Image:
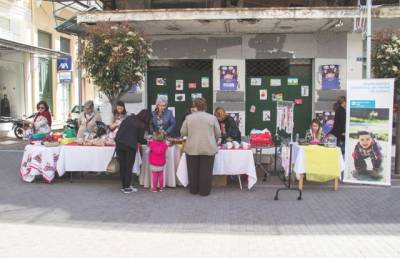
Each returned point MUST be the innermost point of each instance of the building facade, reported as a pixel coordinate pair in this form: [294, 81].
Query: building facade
[244, 55]
[30, 49]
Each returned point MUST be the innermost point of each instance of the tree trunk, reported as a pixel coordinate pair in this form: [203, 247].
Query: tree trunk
[397, 170]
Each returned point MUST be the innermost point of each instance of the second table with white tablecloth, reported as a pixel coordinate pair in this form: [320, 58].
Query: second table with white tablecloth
[88, 159]
[173, 155]
[227, 162]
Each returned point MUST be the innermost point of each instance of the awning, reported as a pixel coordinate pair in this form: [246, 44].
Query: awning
[8, 44]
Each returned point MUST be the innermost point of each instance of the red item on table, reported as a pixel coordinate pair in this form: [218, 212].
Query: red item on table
[261, 139]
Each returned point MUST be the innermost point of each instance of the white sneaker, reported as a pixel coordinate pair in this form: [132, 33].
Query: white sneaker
[134, 189]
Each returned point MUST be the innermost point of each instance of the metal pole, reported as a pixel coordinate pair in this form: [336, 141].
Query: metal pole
[369, 8]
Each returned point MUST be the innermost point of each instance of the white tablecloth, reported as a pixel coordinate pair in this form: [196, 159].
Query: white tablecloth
[227, 162]
[39, 160]
[298, 159]
[88, 158]
[172, 160]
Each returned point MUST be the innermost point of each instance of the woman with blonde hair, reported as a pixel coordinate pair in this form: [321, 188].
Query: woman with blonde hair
[228, 126]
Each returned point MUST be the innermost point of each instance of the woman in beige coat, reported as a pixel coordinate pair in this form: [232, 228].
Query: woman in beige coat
[202, 131]
[87, 121]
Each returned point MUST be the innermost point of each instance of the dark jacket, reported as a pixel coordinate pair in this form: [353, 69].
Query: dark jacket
[231, 130]
[168, 122]
[130, 133]
[339, 126]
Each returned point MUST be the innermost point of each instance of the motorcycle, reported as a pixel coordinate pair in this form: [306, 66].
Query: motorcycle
[19, 125]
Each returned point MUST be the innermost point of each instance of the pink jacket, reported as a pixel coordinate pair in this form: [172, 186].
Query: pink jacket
[157, 153]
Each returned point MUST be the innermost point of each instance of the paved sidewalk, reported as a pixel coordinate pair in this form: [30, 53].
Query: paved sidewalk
[92, 218]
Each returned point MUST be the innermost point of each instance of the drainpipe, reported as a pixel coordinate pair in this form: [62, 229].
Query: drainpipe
[369, 7]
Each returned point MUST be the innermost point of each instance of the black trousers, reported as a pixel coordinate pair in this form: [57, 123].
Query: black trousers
[126, 157]
[200, 169]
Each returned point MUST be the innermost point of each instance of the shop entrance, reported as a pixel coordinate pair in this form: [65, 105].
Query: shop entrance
[268, 80]
[181, 81]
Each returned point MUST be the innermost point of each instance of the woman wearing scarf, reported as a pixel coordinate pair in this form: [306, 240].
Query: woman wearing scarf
[162, 118]
[42, 122]
[87, 121]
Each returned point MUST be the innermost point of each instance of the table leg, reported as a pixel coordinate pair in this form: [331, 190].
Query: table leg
[301, 182]
[240, 182]
[336, 184]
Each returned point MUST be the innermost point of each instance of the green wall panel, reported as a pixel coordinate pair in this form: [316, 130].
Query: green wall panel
[172, 74]
[302, 113]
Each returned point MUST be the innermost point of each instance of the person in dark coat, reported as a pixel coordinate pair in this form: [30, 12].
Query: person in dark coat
[229, 129]
[339, 125]
[130, 134]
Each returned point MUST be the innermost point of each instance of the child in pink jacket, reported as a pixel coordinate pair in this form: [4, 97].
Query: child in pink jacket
[157, 159]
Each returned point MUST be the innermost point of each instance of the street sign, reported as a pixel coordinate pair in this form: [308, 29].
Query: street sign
[65, 76]
[64, 64]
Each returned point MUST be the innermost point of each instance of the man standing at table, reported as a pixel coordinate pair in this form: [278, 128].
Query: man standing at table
[202, 131]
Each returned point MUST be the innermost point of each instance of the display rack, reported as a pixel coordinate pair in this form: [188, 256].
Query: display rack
[287, 180]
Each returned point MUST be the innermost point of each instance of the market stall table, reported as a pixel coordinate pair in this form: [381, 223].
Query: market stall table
[227, 162]
[39, 160]
[173, 155]
[318, 162]
[88, 159]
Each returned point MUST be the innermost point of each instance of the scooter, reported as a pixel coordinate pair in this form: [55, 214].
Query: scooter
[18, 126]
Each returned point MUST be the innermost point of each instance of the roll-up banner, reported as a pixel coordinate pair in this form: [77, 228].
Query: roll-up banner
[369, 116]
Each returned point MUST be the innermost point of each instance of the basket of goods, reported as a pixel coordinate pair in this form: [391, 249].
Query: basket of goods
[57, 137]
[261, 138]
[51, 144]
[50, 140]
[330, 141]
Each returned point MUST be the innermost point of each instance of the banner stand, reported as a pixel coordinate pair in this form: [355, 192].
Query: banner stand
[369, 119]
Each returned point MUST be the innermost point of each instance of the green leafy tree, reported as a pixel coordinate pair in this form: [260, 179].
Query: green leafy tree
[386, 64]
[115, 56]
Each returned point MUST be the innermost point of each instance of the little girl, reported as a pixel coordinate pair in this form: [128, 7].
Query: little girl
[158, 149]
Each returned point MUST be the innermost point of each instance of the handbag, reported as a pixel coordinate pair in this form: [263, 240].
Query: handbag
[113, 165]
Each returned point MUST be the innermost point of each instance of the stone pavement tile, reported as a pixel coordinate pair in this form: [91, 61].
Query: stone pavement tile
[353, 222]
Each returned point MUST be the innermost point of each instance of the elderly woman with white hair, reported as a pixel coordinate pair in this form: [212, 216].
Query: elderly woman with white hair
[162, 118]
[87, 120]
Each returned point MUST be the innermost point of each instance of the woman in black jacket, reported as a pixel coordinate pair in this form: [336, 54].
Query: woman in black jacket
[229, 129]
[339, 125]
[130, 134]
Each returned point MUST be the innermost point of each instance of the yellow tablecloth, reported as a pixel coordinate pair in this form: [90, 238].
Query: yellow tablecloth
[321, 163]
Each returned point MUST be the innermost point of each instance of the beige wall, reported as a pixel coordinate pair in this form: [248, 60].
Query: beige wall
[43, 20]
